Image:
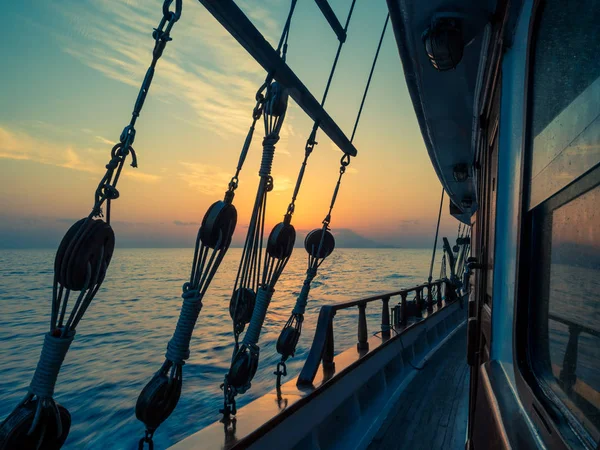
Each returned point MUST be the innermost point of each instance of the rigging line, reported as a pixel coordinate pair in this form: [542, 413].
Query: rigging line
[337, 55]
[362, 103]
[283, 40]
[437, 230]
[311, 142]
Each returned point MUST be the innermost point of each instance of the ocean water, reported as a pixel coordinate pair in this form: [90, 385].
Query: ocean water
[122, 338]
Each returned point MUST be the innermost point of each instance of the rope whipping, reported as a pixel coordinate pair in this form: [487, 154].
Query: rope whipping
[161, 394]
[80, 266]
[254, 285]
[319, 243]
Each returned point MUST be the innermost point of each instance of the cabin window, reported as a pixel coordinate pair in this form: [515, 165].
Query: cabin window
[564, 211]
[565, 102]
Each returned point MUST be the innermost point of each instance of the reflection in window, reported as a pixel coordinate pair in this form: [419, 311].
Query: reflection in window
[565, 96]
[571, 336]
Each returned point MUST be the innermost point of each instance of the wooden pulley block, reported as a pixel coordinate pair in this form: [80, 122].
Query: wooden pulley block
[277, 100]
[158, 399]
[313, 240]
[15, 428]
[83, 243]
[218, 222]
[281, 240]
[241, 305]
[287, 341]
[243, 368]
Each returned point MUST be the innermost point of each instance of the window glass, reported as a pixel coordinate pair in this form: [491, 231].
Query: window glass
[570, 293]
[565, 96]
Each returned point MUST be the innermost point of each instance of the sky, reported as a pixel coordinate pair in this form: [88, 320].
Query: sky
[70, 75]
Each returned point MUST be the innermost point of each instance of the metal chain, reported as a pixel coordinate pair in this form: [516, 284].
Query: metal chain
[107, 188]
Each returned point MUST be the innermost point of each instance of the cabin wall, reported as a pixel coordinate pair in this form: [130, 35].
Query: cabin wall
[510, 169]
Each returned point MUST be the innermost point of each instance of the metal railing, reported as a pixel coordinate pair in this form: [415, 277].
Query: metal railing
[568, 376]
[322, 348]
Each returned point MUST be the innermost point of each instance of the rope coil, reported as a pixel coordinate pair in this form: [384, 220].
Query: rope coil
[268, 155]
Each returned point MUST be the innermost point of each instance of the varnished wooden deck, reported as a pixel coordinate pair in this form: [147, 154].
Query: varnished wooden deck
[432, 412]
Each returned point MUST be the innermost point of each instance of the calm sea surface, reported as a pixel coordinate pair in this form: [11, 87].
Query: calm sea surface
[122, 339]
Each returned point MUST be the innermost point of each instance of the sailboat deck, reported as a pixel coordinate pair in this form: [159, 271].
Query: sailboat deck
[432, 412]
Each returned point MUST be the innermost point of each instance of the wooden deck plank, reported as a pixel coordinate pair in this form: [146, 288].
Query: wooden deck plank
[431, 413]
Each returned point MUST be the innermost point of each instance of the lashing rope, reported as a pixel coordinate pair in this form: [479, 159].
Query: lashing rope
[320, 242]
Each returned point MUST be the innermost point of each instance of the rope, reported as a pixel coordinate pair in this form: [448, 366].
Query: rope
[263, 298]
[437, 230]
[268, 155]
[53, 354]
[302, 299]
[178, 349]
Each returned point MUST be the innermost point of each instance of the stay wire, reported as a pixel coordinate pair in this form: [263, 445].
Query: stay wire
[362, 103]
[437, 230]
[310, 143]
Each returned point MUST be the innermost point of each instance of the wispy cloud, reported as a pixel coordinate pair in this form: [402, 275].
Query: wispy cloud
[205, 178]
[179, 223]
[21, 146]
[113, 37]
[104, 140]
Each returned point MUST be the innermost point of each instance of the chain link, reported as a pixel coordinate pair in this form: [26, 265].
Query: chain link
[107, 188]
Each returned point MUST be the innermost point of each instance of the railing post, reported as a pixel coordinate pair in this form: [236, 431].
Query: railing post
[567, 376]
[362, 344]
[420, 302]
[329, 348]
[403, 318]
[439, 294]
[429, 299]
[385, 318]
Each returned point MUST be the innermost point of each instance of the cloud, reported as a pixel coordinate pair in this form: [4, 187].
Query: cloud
[179, 223]
[221, 98]
[281, 184]
[20, 146]
[205, 178]
[105, 141]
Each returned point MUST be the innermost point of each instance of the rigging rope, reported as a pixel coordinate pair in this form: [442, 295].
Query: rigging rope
[80, 265]
[253, 289]
[160, 396]
[319, 243]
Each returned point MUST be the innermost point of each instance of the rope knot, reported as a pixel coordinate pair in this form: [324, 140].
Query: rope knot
[268, 154]
[53, 354]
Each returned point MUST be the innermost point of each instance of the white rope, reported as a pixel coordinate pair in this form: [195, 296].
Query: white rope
[178, 349]
[53, 354]
[263, 298]
[302, 299]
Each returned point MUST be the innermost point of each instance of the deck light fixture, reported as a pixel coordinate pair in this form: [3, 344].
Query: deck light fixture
[466, 203]
[461, 172]
[444, 41]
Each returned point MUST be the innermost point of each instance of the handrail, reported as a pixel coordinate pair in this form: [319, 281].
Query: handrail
[569, 323]
[322, 348]
[568, 375]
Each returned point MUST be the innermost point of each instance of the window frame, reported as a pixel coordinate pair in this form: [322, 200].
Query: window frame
[557, 426]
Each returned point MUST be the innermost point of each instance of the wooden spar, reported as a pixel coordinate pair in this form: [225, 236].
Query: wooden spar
[334, 23]
[231, 17]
